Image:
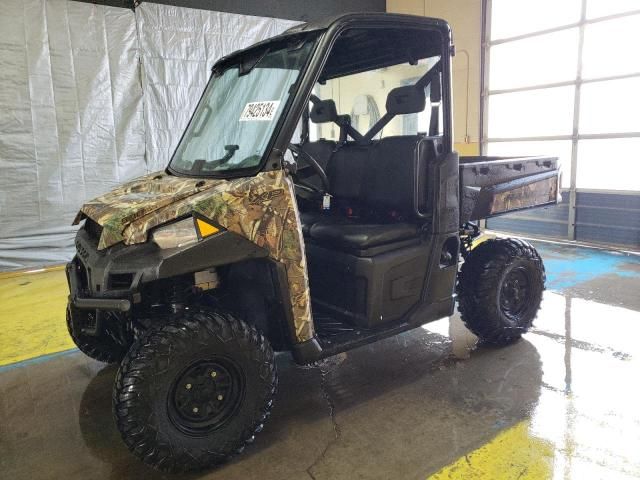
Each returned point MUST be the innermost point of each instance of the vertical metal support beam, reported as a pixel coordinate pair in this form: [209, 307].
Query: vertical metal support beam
[571, 230]
[485, 54]
[484, 82]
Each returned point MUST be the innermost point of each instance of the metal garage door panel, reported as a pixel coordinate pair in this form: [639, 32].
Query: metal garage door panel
[611, 218]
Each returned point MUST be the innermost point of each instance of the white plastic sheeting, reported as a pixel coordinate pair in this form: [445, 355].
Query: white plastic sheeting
[70, 119]
[179, 47]
[73, 81]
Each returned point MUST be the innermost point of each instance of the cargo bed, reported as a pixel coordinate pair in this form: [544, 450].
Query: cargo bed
[491, 186]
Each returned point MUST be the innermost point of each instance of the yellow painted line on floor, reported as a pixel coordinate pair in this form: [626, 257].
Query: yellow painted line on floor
[32, 315]
[29, 271]
[514, 454]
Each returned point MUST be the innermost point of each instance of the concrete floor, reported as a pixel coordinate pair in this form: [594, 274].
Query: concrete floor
[562, 403]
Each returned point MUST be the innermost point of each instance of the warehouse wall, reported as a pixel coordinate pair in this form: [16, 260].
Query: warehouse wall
[465, 18]
[91, 96]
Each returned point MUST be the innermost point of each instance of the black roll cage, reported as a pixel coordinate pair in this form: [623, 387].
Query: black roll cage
[344, 121]
[334, 28]
[422, 82]
[327, 32]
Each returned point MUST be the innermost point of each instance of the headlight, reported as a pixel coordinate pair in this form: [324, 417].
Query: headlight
[177, 234]
[183, 233]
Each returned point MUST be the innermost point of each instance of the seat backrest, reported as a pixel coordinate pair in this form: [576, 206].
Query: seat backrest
[379, 176]
[389, 176]
[346, 170]
[321, 151]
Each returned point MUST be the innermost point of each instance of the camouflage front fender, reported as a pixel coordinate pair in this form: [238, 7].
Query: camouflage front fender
[262, 209]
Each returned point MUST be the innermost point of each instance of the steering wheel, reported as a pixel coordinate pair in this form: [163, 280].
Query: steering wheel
[303, 188]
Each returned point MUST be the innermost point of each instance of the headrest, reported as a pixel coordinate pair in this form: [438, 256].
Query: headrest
[323, 111]
[407, 99]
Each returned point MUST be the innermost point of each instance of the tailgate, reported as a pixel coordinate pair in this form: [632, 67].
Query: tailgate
[493, 186]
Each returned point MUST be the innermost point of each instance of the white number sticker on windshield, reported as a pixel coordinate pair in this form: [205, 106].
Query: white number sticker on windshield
[259, 111]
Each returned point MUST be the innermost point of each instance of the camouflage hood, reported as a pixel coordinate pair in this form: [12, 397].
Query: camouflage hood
[120, 207]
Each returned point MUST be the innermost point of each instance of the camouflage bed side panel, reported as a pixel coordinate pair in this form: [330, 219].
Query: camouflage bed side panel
[530, 195]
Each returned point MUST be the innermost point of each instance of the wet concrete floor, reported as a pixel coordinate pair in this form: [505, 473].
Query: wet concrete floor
[561, 403]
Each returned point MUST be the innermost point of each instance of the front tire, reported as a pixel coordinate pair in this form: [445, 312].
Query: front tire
[500, 289]
[192, 393]
[110, 346]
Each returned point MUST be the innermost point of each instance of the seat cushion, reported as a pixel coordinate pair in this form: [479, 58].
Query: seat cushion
[353, 235]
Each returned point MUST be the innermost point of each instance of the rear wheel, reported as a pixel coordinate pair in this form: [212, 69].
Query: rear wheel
[500, 289]
[109, 344]
[193, 392]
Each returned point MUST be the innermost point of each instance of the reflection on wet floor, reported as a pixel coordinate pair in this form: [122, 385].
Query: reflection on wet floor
[587, 409]
[590, 360]
[559, 404]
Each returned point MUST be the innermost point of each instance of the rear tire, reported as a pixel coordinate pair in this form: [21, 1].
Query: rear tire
[193, 392]
[108, 347]
[500, 289]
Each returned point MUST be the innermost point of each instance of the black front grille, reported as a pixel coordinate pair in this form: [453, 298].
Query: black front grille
[82, 252]
[120, 281]
[94, 230]
[83, 275]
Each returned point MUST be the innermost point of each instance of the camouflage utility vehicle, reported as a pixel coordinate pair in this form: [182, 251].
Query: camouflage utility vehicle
[314, 204]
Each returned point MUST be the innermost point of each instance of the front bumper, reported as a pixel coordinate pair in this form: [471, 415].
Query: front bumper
[78, 300]
[111, 279]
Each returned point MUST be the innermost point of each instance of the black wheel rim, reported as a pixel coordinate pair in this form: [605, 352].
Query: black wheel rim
[515, 292]
[205, 395]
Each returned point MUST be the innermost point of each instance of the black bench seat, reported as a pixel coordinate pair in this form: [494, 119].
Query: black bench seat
[360, 236]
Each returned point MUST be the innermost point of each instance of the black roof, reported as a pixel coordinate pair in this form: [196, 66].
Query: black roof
[346, 18]
[393, 19]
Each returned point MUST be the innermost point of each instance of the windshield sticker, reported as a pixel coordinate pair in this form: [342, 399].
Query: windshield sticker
[259, 111]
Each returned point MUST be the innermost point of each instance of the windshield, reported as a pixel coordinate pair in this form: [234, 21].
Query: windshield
[238, 112]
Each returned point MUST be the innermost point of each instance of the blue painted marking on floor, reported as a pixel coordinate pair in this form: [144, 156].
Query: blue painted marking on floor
[583, 265]
[36, 360]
